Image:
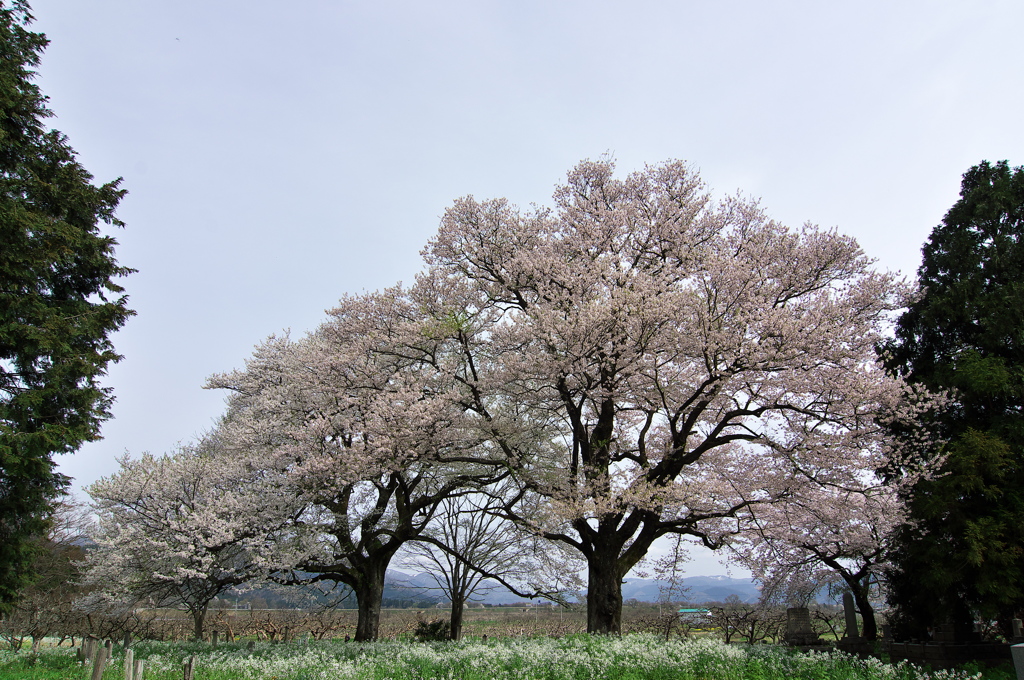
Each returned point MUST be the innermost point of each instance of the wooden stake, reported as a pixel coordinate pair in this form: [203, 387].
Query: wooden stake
[99, 663]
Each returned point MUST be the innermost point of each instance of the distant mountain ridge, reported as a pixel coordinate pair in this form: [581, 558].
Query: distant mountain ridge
[404, 590]
[696, 589]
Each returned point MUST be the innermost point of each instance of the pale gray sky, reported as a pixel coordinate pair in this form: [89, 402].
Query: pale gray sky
[279, 155]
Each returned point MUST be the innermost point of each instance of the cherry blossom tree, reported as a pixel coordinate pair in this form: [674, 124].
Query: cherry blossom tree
[651, 362]
[823, 535]
[364, 440]
[178, 530]
[644, 361]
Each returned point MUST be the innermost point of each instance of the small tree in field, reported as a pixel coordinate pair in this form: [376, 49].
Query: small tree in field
[467, 543]
[47, 607]
[179, 530]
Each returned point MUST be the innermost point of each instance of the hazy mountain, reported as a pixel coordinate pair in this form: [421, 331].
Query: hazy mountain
[402, 584]
[698, 589]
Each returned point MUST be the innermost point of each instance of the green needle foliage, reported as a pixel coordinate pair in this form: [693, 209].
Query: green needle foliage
[964, 556]
[58, 301]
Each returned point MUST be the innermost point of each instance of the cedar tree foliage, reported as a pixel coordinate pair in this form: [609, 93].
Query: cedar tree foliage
[58, 301]
[962, 554]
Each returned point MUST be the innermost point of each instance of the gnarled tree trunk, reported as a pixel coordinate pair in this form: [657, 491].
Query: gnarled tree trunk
[867, 614]
[604, 595]
[369, 592]
[198, 622]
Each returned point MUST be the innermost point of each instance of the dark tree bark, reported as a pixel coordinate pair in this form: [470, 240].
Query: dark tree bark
[369, 593]
[604, 596]
[860, 588]
[867, 613]
[363, 561]
[198, 622]
[458, 612]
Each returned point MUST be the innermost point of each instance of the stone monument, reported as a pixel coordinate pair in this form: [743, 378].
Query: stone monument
[852, 631]
[799, 631]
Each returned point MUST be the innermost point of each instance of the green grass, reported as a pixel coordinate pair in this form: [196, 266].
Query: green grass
[48, 665]
[581, 657]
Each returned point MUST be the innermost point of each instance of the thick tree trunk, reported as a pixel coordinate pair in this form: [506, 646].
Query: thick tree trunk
[963, 622]
[867, 614]
[198, 621]
[860, 588]
[369, 592]
[604, 595]
[458, 607]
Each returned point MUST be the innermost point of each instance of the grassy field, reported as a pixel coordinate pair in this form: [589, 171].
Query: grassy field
[577, 657]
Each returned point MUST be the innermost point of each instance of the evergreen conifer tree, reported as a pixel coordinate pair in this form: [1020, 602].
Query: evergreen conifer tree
[963, 554]
[58, 301]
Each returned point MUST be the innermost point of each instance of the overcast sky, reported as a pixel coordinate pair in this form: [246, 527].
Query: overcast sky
[280, 155]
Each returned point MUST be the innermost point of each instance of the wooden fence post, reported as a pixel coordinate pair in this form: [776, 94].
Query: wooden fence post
[129, 664]
[190, 668]
[88, 649]
[99, 662]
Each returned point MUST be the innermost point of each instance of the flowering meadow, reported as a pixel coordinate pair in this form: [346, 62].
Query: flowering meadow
[639, 657]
